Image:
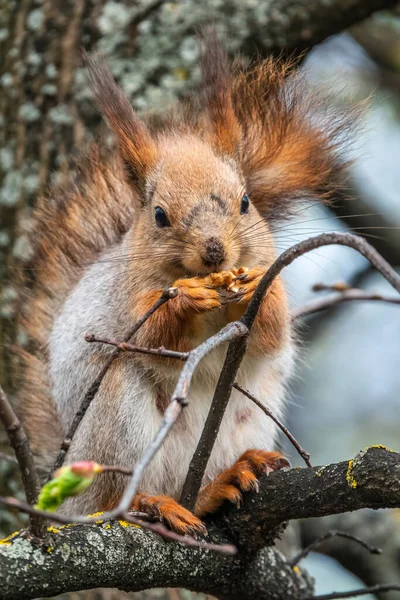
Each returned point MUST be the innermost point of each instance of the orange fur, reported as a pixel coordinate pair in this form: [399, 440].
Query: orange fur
[241, 477]
[168, 510]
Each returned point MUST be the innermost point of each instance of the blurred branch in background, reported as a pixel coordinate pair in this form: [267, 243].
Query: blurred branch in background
[379, 528]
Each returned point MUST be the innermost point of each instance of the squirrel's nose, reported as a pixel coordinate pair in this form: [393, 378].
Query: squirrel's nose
[214, 253]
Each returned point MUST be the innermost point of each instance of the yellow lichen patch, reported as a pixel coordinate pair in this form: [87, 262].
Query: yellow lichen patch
[127, 524]
[52, 529]
[68, 525]
[97, 514]
[320, 472]
[50, 549]
[108, 526]
[296, 570]
[380, 447]
[349, 475]
[7, 541]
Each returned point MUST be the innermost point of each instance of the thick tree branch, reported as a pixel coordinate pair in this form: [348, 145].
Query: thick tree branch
[132, 559]
[296, 25]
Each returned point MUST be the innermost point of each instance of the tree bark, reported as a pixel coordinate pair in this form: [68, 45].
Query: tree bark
[116, 554]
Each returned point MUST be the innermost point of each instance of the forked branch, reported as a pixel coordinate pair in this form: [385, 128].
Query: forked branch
[237, 348]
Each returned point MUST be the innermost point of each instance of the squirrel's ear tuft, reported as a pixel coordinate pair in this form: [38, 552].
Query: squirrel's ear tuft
[138, 149]
[221, 121]
[295, 144]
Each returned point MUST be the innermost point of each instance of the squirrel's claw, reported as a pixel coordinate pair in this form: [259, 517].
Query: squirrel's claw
[167, 510]
[241, 477]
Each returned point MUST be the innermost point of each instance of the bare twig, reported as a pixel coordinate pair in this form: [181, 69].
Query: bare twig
[303, 453]
[237, 348]
[94, 388]
[325, 239]
[126, 347]
[56, 517]
[116, 469]
[347, 295]
[338, 286]
[8, 458]
[191, 487]
[327, 536]
[352, 594]
[159, 528]
[184, 356]
[178, 401]
[145, 11]
[23, 453]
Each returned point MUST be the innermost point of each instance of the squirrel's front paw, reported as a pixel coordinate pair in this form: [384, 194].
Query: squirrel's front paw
[241, 477]
[200, 294]
[246, 281]
[167, 510]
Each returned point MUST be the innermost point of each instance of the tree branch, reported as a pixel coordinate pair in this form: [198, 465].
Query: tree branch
[355, 593]
[231, 332]
[303, 453]
[296, 26]
[132, 559]
[348, 295]
[327, 536]
[24, 456]
[377, 528]
[237, 348]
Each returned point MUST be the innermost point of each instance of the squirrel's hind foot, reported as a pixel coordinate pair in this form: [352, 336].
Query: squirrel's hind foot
[167, 510]
[241, 477]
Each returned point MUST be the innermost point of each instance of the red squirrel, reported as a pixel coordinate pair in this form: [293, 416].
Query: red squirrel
[187, 198]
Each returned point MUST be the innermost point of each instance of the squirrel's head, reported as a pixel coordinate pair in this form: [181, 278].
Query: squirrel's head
[212, 176]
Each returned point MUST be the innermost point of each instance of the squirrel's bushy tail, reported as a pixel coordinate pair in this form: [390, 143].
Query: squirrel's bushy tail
[80, 217]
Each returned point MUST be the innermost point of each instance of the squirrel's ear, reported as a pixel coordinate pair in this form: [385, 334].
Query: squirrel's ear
[137, 148]
[221, 121]
[294, 145]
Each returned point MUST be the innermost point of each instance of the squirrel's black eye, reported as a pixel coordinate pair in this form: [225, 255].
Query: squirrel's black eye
[161, 217]
[244, 207]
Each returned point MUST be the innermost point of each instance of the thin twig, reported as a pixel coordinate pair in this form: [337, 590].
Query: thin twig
[8, 457]
[116, 469]
[144, 12]
[325, 239]
[159, 528]
[237, 348]
[178, 401]
[126, 347]
[20, 444]
[348, 295]
[338, 286]
[352, 594]
[184, 356]
[94, 387]
[303, 453]
[327, 536]
[135, 517]
[59, 518]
